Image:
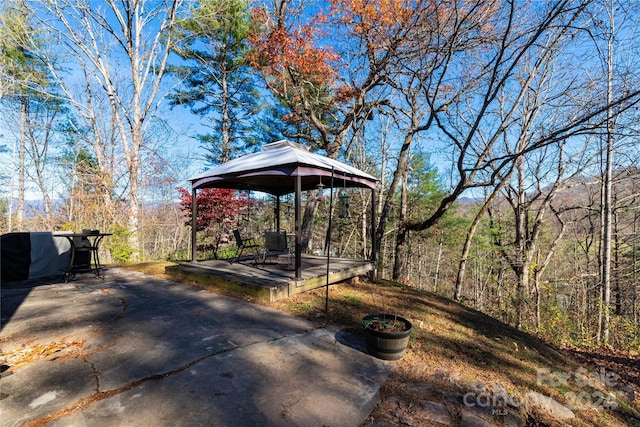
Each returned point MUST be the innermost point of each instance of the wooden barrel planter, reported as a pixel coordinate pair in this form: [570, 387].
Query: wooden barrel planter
[387, 335]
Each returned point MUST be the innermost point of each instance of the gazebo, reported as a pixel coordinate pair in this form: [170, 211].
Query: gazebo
[280, 168]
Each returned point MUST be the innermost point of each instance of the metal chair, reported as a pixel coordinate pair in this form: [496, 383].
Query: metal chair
[275, 244]
[243, 244]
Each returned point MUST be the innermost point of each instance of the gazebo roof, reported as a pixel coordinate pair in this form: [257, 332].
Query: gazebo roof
[274, 170]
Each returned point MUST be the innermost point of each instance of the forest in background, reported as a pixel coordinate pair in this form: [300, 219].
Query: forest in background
[504, 134]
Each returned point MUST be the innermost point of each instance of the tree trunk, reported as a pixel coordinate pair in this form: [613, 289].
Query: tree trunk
[401, 252]
[607, 189]
[385, 212]
[536, 287]
[522, 289]
[521, 260]
[225, 131]
[364, 224]
[133, 223]
[436, 277]
[21, 163]
[309, 213]
[616, 264]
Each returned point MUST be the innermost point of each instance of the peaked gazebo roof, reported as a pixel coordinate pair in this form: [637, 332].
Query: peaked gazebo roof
[274, 170]
[283, 167]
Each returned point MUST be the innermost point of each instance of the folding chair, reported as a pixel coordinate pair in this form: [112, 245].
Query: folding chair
[275, 244]
[243, 244]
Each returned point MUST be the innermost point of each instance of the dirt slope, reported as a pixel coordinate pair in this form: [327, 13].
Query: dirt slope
[463, 367]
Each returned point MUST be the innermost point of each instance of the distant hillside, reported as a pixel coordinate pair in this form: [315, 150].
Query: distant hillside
[467, 201]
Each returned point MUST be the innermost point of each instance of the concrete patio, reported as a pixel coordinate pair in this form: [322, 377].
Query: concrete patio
[136, 350]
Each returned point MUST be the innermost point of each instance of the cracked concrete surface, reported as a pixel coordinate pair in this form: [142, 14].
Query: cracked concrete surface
[137, 350]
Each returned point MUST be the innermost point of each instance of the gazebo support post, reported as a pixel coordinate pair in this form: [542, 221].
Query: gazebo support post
[298, 223]
[374, 249]
[194, 228]
[277, 213]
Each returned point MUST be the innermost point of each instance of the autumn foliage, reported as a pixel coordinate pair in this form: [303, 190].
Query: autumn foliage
[218, 208]
[373, 16]
[311, 64]
[283, 53]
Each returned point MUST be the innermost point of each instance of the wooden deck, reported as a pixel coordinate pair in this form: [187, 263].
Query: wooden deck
[274, 280]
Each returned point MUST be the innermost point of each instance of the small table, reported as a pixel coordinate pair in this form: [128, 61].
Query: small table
[92, 247]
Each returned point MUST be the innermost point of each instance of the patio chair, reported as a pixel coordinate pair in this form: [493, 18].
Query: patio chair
[243, 244]
[275, 244]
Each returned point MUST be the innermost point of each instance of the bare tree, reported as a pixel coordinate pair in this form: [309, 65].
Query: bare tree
[612, 33]
[123, 49]
[531, 203]
[540, 97]
[41, 121]
[471, 126]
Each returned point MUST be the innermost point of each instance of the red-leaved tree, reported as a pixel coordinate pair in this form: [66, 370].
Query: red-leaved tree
[218, 211]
